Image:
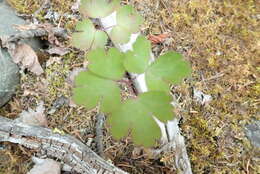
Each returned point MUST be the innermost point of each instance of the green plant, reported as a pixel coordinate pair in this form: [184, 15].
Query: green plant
[98, 85]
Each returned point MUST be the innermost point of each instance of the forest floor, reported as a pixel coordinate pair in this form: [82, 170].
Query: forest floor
[221, 40]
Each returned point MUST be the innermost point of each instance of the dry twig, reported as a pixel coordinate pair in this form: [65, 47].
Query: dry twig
[99, 133]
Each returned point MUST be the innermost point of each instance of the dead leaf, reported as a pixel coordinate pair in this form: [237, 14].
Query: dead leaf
[159, 38]
[51, 36]
[32, 117]
[46, 166]
[61, 51]
[25, 54]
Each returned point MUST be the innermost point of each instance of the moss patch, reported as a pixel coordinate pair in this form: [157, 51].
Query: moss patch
[25, 6]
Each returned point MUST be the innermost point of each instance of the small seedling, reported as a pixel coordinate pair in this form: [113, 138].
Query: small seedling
[98, 85]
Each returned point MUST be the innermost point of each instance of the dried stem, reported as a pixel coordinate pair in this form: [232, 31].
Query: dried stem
[100, 117]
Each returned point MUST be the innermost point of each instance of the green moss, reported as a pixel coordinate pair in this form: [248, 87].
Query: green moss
[25, 6]
[57, 74]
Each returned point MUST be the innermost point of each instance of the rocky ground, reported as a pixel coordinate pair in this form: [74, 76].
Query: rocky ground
[219, 104]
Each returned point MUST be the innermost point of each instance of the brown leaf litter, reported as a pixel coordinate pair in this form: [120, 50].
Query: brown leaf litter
[25, 55]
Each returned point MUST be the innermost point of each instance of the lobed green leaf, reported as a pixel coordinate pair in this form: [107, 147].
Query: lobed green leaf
[128, 22]
[87, 37]
[92, 90]
[169, 68]
[135, 116]
[98, 8]
[137, 61]
[107, 64]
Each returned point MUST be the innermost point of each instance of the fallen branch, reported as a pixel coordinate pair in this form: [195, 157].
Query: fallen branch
[63, 147]
[38, 32]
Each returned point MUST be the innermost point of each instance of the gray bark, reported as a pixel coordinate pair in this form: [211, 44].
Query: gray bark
[63, 147]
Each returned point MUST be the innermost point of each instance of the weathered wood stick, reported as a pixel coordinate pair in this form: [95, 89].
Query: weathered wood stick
[63, 147]
[37, 32]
